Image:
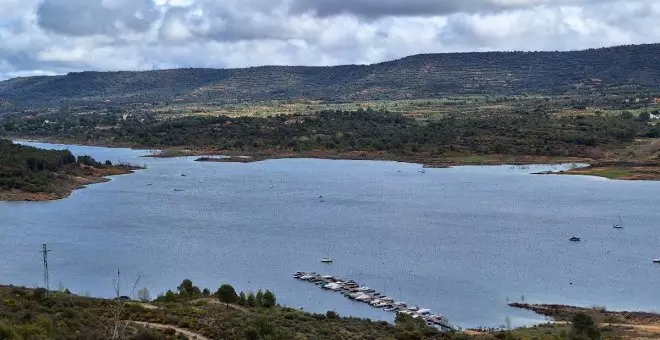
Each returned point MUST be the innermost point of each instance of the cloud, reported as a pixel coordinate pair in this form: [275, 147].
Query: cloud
[380, 8]
[58, 36]
[91, 17]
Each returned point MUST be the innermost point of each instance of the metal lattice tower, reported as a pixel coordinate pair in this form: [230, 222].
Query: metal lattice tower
[44, 252]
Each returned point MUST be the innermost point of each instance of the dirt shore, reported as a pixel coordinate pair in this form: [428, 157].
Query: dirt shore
[66, 184]
[618, 170]
[429, 161]
[599, 314]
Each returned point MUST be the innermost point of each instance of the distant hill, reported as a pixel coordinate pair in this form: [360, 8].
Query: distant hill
[621, 69]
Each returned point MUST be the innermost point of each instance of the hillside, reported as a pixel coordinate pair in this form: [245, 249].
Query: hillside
[622, 69]
[36, 314]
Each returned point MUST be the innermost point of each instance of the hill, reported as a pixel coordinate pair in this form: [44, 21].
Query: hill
[622, 69]
[38, 314]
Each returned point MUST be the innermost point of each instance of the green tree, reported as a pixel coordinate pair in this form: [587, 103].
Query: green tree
[584, 327]
[187, 289]
[260, 298]
[269, 299]
[251, 300]
[226, 294]
[169, 296]
[206, 292]
[242, 300]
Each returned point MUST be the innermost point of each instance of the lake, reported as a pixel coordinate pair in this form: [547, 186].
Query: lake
[461, 241]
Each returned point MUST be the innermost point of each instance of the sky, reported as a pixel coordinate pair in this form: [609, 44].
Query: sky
[58, 36]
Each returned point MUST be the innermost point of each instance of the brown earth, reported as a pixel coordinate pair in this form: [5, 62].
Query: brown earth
[66, 184]
[599, 314]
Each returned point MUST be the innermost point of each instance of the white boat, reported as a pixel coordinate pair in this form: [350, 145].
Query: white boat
[620, 224]
[656, 260]
[364, 298]
[424, 311]
[374, 302]
[326, 260]
[332, 286]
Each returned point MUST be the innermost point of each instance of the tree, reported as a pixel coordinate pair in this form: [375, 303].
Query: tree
[242, 300]
[168, 297]
[187, 289]
[584, 327]
[260, 298]
[143, 295]
[250, 300]
[269, 299]
[226, 294]
[206, 292]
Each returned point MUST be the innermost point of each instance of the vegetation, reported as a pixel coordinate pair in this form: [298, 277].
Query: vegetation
[618, 70]
[536, 133]
[30, 314]
[33, 314]
[36, 171]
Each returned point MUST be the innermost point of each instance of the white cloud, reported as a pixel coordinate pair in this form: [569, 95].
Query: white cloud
[56, 36]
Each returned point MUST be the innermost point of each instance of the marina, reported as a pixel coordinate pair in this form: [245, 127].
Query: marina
[357, 292]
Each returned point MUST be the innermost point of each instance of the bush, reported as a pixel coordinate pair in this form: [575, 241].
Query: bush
[584, 327]
[145, 334]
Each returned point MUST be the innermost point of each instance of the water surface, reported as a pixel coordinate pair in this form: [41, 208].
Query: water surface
[461, 241]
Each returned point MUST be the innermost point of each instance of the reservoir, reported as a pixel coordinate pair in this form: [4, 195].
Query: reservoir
[461, 241]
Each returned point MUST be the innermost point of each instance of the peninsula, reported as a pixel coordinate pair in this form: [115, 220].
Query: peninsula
[32, 174]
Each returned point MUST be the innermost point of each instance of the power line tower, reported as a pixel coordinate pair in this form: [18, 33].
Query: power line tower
[44, 252]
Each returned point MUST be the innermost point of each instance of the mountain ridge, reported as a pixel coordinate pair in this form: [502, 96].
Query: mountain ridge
[620, 68]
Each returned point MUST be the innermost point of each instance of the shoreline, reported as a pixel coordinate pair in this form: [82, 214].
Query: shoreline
[611, 169]
[564, 313]
[70, 184]
[428, 161]
[615, 170]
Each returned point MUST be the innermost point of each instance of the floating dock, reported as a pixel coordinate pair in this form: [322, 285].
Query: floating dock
[358, 292]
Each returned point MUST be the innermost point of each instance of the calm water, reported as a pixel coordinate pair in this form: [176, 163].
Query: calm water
[461, 241]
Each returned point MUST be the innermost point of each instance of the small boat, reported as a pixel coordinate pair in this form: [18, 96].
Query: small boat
[183, 175]
[574, 239]
[326, 260]
[619, 225]
[178, 190]
[656, 260]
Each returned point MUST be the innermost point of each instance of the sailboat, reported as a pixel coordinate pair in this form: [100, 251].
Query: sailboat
[326, 259]
[619, 225]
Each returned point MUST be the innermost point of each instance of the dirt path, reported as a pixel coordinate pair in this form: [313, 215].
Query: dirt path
[655, 329]
[647, 328]
[182, 331]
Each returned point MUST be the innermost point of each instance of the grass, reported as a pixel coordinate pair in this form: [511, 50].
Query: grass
[31, 314]
[612, 173]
